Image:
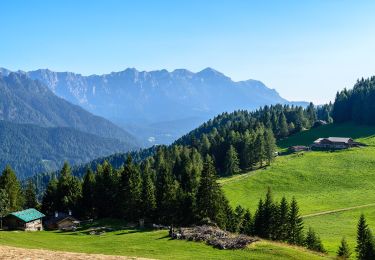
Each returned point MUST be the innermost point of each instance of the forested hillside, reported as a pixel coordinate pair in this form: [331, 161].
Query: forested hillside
[27, 101]
[356, 104]
[31, 149]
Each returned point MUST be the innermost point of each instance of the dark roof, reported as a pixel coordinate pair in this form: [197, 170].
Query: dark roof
[27, 215]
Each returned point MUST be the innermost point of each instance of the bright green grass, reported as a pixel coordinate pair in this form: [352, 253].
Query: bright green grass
[320, 181]
[333, 227]
[151, 244]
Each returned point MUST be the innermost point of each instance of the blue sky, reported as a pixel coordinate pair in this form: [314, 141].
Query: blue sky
[306, 50]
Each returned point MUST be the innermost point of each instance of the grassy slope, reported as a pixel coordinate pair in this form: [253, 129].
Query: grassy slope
[320, 181]
[151, 244]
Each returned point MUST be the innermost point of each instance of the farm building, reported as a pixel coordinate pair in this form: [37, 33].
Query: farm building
[27, 220]
[334, 143]
[62, 221]
[298, 148]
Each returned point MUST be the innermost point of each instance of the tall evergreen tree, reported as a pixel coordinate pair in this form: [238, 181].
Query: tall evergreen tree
[11, 185]
[295, 224]
[131, 191]
[30, 196]
[269, 146]
[88, 195]
[50, 201]
[344, 250]
[4, 206]
[313, 242]
[365, 244]
[247, 227]
[282, 220]
[148, 193]
[231, 162]
[283, 126]
[69, 189]
[209, 196]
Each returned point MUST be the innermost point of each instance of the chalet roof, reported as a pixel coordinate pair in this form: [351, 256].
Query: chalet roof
[334, 140]
[27, 215]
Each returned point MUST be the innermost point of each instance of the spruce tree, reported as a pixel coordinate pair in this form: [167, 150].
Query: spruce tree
[131, 191]
[4, 205]
[239, 213]
[269, 146]
[344, 250]
[282, 220]
[295, 224]
[283, 126]
[313, 242]
[11, 185]
[30, 196]
[88, 194]
[269, 210]
[148, 193]
[247, 227]
[209, 196]
[231, 162]
[259, 219]
[50, 201]
[69, 190]
[365, 244]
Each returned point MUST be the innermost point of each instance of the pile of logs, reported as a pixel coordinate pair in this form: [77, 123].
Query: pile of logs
[213, 236]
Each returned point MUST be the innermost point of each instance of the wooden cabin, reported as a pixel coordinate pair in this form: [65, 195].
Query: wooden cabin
[62, 221]
[334, 143]
[26, 220]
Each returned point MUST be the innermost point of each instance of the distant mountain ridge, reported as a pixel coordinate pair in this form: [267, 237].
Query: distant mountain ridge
[31, 149]
[27, 101]
[137, 100]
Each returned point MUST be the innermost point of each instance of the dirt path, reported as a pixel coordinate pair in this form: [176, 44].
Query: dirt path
[337, 210]
[7, 252]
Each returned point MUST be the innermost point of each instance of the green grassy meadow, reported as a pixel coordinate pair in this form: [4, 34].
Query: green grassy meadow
[320, 181]
[149, 244]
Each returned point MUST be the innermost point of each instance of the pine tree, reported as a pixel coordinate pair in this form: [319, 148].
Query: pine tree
[239, 213]
[131, 191]
[88, 194]
[50, 201]
[313, 241]
[282, 220]
[247, 227]
[209, 196]
[365, 244]
[269, 210]
[283, 126]
[269, 146]
[259, 220]
[148, 193]
[344, 250]
[295, 224]
[231, 162]
[69, 190]
[30, 196]
[4, 205]
[11, 185]
[259, 153]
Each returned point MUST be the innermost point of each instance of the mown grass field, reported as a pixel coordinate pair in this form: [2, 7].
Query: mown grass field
[320, 181]
[149, 244]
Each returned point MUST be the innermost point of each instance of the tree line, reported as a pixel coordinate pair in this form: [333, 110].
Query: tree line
[356, 104]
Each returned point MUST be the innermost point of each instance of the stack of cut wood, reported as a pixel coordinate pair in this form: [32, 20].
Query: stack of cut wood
[214, 236]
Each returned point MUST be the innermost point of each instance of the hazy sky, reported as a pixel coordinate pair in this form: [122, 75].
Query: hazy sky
[306, 50]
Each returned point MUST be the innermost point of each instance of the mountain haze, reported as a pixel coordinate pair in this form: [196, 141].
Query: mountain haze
[159, 106]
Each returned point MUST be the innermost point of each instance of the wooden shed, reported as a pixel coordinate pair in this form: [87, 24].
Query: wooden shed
[62, 221]
[27, 220]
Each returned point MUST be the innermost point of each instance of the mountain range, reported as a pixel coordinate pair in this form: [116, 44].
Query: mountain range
[39, 131]
[158, 106]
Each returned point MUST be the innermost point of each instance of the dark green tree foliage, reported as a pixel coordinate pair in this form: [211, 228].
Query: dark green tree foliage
[4, 203]
[210, 198]
[311, 114]
[282, 220]
[356, 104]
[131, 191]
[283, 130]
[106, 190]
[313, 242]
[365, 242]
[30, 196]
[269, 146]
[12, 187]
[231, 162]
[50, 201]
[247, 226]
[148, 192]
[69, 190]
[344, 250]
[295, 224]
[239, 214]
[88, 195]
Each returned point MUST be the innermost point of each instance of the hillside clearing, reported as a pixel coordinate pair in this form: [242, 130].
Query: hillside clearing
[332, 188]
